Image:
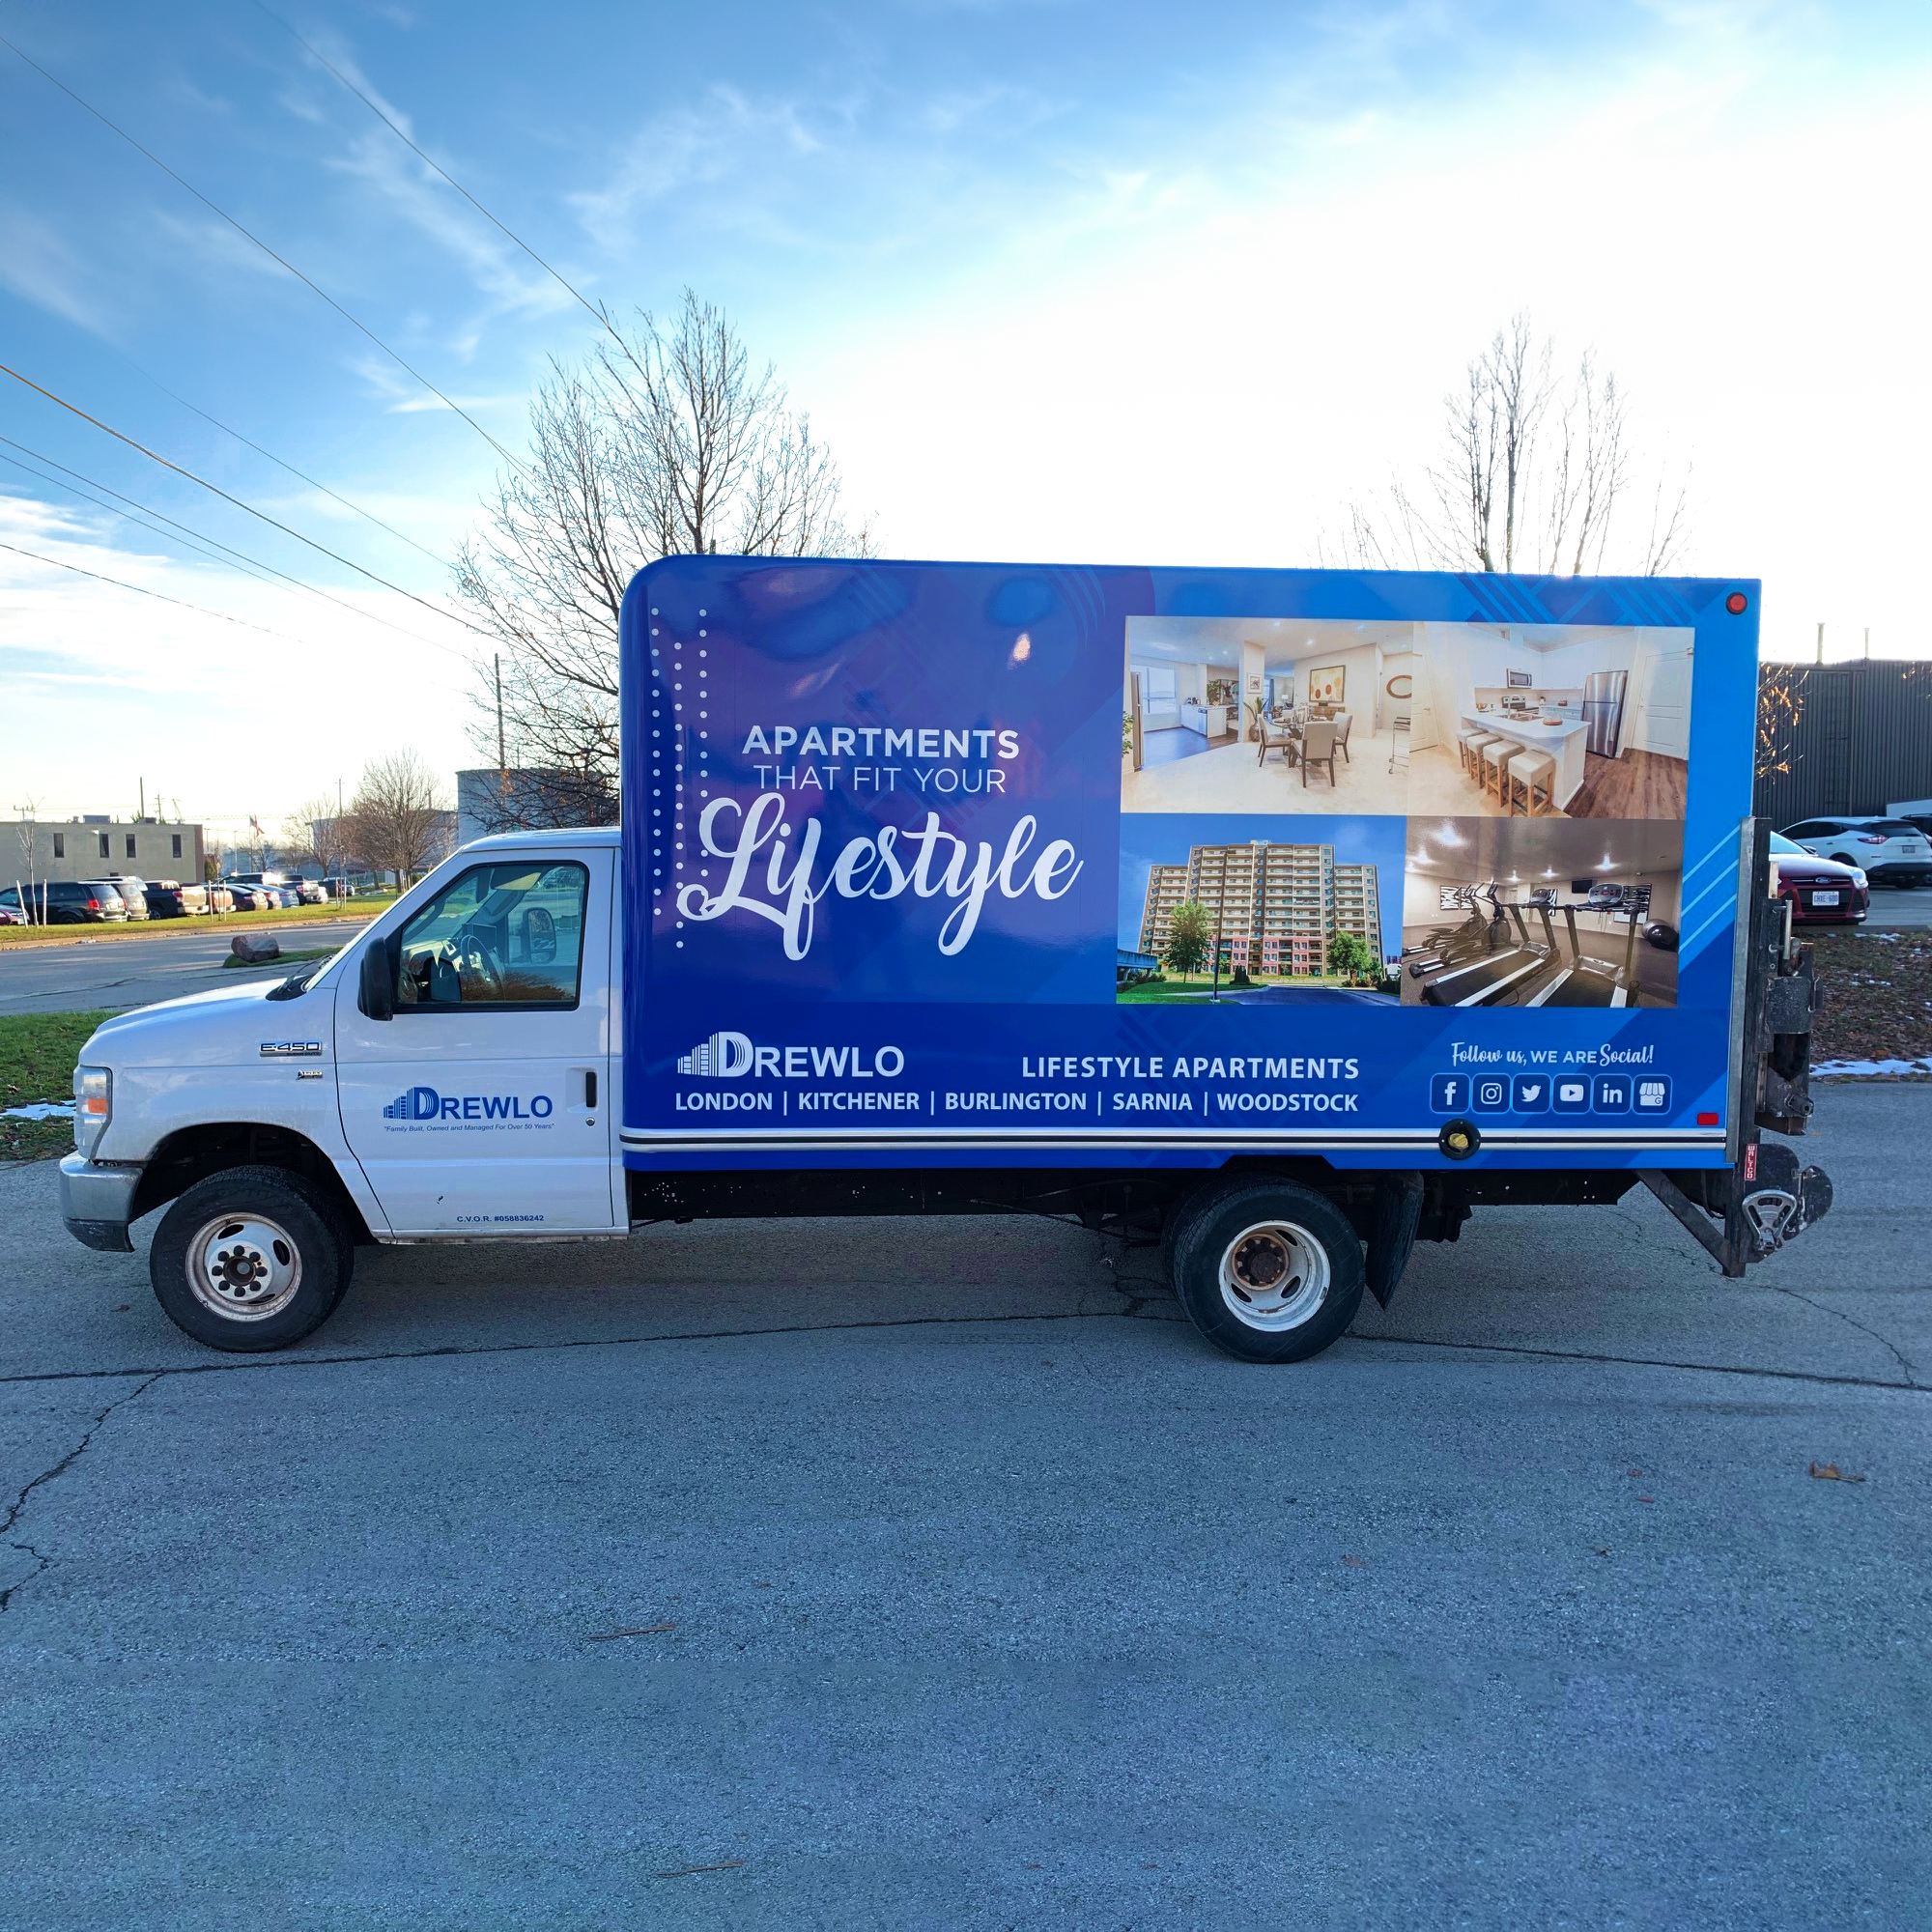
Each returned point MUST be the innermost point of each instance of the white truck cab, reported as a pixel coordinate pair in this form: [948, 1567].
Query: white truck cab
[289, 1122]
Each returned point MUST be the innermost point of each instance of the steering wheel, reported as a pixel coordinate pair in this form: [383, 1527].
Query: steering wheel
[467, 957]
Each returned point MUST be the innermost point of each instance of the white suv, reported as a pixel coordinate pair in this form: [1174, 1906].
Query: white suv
[1889, 851]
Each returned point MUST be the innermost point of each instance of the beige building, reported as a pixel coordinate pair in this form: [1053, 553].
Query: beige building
[97, 848]
[1276, 906]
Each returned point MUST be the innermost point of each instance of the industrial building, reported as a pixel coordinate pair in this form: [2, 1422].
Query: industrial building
[1275, 906]
[98, 847]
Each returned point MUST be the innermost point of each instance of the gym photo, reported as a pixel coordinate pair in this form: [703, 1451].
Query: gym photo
[1502, 912]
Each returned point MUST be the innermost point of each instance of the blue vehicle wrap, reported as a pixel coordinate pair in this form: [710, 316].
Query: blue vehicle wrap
[903, 848]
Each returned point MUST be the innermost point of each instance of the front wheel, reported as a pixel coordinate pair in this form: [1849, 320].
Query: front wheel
[250, 1260]
[1268, 1271]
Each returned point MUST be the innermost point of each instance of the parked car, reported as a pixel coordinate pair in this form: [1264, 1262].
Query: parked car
[1818, 889]
[313, 892]
[1889, 851]
[250, 899]
[66, 903]
[169, 898]
[134, 892]
[11, 915]
[282, 890]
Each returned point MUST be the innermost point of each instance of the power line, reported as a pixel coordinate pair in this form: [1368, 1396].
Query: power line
[200, 541]
[36, 558]
[273, 523]
[250, 235]
[280, 462]
[323, 61]
[126, 516]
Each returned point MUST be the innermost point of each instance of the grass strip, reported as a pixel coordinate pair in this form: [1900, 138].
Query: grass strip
[38, 1052]
[161, 928]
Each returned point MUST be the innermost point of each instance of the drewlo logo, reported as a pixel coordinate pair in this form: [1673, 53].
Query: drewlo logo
[730, 1056]
[425, 1103]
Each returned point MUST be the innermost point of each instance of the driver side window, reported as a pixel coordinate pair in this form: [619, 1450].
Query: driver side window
[508, 936]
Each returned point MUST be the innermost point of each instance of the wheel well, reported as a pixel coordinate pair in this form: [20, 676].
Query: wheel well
[195, 1152]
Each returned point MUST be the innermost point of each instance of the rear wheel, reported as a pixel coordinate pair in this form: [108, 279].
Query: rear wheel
[1268, 1271]
[250, 1260]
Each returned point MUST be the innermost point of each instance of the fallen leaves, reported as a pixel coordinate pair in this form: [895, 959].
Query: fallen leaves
[1830, 1472]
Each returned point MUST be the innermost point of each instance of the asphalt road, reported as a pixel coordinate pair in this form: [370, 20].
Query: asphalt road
[1898, 911]
[890, 1574]
[75, 976]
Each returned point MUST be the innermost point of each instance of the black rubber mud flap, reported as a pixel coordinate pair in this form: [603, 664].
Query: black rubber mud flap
[1395, 1215]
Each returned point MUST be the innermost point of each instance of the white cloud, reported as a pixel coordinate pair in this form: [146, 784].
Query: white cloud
[231, 720]
[37, 264]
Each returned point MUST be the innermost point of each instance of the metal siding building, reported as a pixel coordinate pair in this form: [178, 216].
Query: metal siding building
[1845, 738]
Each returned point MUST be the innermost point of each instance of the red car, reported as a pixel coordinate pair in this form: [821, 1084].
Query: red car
[1818, 889]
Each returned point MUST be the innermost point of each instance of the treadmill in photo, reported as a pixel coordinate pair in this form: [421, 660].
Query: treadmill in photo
[1490, 978]
[1590, 981]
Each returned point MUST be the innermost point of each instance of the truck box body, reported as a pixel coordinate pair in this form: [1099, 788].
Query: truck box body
[891, 864]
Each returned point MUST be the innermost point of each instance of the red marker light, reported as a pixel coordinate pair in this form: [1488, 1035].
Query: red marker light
[1737, 603]
[1707, 1120]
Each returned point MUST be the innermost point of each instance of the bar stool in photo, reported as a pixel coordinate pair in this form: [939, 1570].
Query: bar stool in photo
[1532, 777]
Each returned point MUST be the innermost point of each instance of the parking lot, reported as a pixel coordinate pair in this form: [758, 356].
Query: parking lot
[882, 1573]
[79, 975]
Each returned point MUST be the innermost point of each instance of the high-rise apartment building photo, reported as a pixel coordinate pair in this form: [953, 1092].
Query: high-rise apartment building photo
[1276, 906]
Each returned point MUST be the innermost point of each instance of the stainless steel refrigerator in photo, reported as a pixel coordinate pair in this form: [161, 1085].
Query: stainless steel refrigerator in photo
[1603, 710]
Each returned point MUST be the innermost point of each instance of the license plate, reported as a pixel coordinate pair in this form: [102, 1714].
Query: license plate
[1824, 899]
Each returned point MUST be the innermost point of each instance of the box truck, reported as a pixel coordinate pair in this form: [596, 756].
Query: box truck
[1276, 919]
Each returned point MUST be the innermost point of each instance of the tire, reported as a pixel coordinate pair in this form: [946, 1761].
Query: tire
[1268, 1271]
[259, 1220]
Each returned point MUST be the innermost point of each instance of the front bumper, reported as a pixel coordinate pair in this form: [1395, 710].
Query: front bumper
[95, 1202]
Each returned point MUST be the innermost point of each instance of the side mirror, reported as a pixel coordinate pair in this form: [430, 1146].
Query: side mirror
[378, 986]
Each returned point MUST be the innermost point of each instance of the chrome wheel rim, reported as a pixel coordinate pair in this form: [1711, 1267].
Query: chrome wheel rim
[1274, 1275]
[244, 1267]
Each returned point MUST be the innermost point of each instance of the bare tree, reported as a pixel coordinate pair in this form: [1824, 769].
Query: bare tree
[1530, 479]
[667, 440]
[400, 819]
[30, 849]
[316, 834]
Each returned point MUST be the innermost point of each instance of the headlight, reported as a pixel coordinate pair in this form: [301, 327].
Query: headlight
[1858, 875]
[93, 1101]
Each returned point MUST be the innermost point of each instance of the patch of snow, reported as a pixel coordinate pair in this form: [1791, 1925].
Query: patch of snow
[1831, 1070]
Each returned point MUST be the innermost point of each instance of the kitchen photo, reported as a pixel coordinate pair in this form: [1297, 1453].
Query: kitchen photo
[1550, 720]
[1266, 714]
[1541, 911]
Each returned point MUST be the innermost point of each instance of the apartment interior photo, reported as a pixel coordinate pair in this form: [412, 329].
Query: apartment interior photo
[1224, 714]
[1473, 929]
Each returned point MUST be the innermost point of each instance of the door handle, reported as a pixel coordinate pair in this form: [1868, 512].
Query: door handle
[589, 1086]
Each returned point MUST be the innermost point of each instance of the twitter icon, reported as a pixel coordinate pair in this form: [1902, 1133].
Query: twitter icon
[1532, 1093]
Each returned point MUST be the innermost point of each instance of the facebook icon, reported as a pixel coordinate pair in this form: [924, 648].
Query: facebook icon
[1449, 1092]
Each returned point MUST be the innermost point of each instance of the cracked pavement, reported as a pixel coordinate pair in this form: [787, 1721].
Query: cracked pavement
[893, 1572]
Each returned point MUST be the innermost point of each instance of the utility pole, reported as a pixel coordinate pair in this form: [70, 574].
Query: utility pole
[497, 660]
[1867, 643]
[1820, 643]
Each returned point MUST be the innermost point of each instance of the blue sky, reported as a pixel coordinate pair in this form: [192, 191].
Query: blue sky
[1055, 279]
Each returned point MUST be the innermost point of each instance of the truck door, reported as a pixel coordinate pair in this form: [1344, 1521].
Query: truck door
[482, 1106]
